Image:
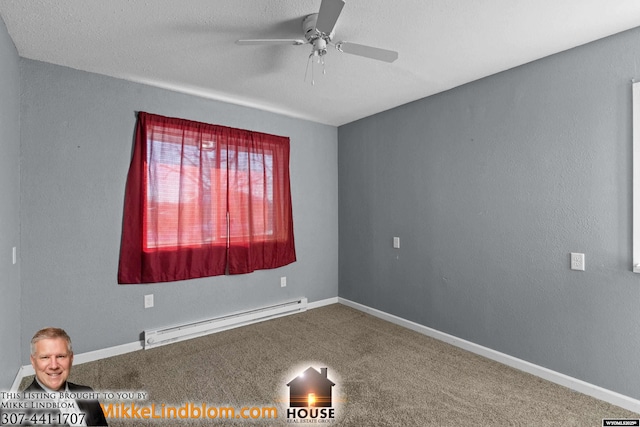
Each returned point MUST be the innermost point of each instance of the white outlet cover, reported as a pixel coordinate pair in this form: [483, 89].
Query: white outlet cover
[148, 301]
[577, 261]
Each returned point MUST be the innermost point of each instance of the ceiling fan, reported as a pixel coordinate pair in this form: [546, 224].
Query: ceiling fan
[318, 29]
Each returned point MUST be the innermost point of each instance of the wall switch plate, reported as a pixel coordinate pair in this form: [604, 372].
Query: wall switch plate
[15, 255]
[396, 242]
[283, 281]
[148, 301]
[577, 261]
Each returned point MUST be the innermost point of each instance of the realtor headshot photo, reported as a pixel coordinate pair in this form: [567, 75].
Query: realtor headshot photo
[52, 359]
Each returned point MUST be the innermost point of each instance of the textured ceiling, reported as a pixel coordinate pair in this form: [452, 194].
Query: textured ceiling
[188, 45]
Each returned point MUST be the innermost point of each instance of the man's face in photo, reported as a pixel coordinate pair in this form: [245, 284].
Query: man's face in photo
[52, 362]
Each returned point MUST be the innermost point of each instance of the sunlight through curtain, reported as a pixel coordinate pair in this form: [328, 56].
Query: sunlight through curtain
[204, 200]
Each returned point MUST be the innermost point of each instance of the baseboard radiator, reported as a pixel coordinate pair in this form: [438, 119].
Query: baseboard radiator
[158, 337]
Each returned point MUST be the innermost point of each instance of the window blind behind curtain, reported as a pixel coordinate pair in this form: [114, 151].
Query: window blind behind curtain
[204, 200]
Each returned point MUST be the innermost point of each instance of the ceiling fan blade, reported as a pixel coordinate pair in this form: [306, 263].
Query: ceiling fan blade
[270, 42]
[328, 15]
[367, 51]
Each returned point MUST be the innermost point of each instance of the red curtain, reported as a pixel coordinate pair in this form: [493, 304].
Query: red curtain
[204, 200]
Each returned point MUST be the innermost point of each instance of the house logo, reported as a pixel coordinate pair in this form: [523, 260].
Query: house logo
[311, 397]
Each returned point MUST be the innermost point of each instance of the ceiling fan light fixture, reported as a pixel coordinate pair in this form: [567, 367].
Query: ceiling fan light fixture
[319, 47]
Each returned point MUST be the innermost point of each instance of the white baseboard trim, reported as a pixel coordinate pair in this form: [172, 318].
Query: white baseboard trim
[575, 384]
[92, 356]
[107, 352]
[322, 303]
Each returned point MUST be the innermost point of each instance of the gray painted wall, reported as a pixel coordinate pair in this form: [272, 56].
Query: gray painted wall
[9, 209]
[77, 134]
[490, 186]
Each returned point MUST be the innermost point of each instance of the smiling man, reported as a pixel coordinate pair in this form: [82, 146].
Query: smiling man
[51, 358]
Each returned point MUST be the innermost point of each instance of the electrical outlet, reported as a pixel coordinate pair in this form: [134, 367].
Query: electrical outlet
[283, 281]
[577, 261]
[148, 301]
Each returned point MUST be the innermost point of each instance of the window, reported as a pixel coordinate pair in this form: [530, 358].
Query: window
[636, 177]
[204, 200]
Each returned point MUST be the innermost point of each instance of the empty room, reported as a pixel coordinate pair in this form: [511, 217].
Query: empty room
[260, 212]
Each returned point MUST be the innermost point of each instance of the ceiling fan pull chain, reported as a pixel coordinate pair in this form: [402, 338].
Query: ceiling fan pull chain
[306, 71]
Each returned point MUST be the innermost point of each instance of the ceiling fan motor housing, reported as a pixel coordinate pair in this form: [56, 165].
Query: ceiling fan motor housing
[309, 29]
[317, 39]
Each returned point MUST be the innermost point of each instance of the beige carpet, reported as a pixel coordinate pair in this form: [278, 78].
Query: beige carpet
[385, 375]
